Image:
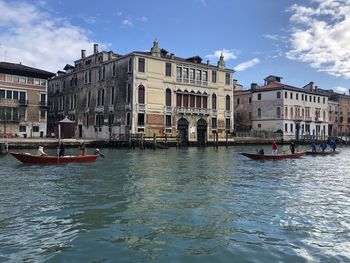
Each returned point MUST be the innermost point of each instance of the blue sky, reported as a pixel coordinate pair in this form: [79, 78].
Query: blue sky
[301, 41]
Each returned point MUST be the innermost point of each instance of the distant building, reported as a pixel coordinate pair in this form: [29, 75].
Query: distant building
[109, 95]
[23, 100]
[297, 113]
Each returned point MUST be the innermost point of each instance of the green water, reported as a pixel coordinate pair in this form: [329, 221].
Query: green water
[188, 205]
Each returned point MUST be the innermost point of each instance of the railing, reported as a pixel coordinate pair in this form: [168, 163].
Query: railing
[186, 110]
[192, 81]
[168, 109]
[141, 107]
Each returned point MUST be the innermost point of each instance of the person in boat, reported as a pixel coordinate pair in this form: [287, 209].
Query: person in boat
[323, 146]
[334, 145]
[41, 151]
[274, 148]
[82, 148]
[261, 151]
[313, 147]
[61, 150]
[97, 152]
[292, 147]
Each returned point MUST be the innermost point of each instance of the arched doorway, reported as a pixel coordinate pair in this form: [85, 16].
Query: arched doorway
[201, 132]
[182, 128]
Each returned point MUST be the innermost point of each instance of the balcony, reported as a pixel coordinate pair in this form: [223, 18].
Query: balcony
[168, 109]
[192, 81]
[196, 111]
[141, 107]
[23, 103]
[43, 104]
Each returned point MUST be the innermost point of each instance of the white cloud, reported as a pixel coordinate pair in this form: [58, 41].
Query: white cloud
[38, 39]
[320, 36]
[248, 64]
[127, 23]
[144, 19]
[227, 53]
[88, 19]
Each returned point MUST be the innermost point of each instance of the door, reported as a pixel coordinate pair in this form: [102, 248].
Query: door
[80, 131]
[182, 128]
[201, 132]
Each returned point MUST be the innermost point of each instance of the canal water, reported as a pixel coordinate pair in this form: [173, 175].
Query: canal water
[188, 205]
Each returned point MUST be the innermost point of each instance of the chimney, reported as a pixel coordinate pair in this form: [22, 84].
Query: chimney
[172, 55]
[208, 62]
[316, 89]
[95, 48]
[83, 53]
[110, 55]
[253, 86]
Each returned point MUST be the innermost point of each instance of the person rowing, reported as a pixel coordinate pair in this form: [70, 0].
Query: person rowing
[97, 152]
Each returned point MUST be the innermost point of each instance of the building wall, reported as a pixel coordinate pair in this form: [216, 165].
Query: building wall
[32, 123]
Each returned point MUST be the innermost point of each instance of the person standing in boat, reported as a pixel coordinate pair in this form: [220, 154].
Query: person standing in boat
[334, 145]
[274, 148]
[292, 147]
[313, 147]
[41, 151]
[323, 146]
[82, 148]
[61, 150]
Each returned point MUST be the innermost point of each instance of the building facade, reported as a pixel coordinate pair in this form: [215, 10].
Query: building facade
[109, 95]
[23, 100]
[297, 113]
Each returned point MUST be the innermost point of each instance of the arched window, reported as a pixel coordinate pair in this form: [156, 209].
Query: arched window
[286, 113]
[228, 103]
[141, 94]
[168, 97]
[278, 112]
[259, 112]
[198, 100]
[205, 101]
[178, 98]
[213, 101]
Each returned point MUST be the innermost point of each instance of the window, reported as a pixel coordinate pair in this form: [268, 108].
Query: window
[228, 123]
[179, 100]
[16, 79]
[128, 94]
[43, 99]
[278, 94]
[286, 113]
[302, 96]
[314, 98]
[286, 127]
[128, 121]
[278, 112]
[198, 101]
[291, 127]
[205, 102]
[35, 128]
[213, 123]
[2, 93]
[259, 113]
[286, 95]
[130, 65]
[141, 94]
[141, 119]
[168, 97]
[259, 125]
[228, 78]
[112, 95]
[238, 101]
[114, 70]
[103, 97]
[213, 101]
[185, 73]
[228, 103]
[185, 100]
[42, 114]
[168, 69]
[250, 99]
[297, 96]
[192, 73]
[198, 75]
[213, 76]
[259, 96]
[178, 72]
[88, 99]
[324, 100]
[205, 76]
[310, 98]
[8, 94]
[22, 128]
[192, 101]
[291, 95]
[141, 66]
[168, 120]
[15, 95]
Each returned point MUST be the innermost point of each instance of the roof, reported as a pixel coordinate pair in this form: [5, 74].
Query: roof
[65, 120]
[184, 60]
[22, 70]
[278, 86]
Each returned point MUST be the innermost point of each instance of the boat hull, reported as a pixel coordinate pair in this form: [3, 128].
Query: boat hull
[35, 159]
[321, 153]
[273, 157]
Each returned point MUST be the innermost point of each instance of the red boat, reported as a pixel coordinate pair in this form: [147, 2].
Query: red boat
[256, 156]
[36, 159]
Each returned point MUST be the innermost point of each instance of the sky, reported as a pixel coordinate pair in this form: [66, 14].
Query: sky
[300, 41]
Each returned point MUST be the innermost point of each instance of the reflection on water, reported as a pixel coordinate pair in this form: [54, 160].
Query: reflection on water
[189, 205]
